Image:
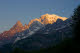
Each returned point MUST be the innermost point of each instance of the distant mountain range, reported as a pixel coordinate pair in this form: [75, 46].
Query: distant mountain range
[48, 30]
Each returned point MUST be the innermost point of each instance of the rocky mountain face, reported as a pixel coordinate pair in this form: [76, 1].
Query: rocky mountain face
[6, 36]
[18, 30]
[46, 36]
[18, 27]
[44, 32]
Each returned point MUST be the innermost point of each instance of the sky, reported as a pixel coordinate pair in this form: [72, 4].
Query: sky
[24, 10]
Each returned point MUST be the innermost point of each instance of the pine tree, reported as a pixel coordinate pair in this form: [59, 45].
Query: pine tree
[76, 24]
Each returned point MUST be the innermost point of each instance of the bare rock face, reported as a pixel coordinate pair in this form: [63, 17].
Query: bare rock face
[33, 21]
[18, 27]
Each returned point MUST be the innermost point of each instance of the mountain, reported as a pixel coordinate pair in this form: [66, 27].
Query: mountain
[35, 26]
[48, 35]
[51, 18]
[7, 35]
[18, 27]
[48, 30]
[20, 31]
[48, 19]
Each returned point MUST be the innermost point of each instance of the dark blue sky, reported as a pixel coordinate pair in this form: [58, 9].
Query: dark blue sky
[24, 10]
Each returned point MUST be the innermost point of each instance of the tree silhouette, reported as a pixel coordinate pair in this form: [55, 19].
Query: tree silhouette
[76, 15]
[76, 23]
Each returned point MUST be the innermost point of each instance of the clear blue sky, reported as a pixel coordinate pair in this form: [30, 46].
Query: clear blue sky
[24, 10]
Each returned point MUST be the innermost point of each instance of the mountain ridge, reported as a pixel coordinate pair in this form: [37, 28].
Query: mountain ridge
[18, 27]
